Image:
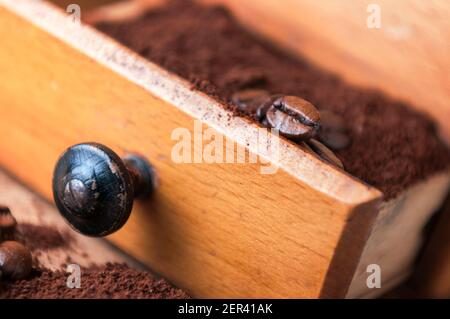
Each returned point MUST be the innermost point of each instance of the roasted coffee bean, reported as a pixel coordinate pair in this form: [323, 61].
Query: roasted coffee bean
[307, 147]
[315, 147]
[332, 121]
[324, 152]
[265, 123]
[7, 224]
[248, 101]
[294, 118]
[332, 131]
[248, 95]
[15, 260]
[334, 140]
[265, 106]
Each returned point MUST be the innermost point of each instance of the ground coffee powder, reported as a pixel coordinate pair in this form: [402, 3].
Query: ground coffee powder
[107, 281]
[97, 281]
[392, 146]
[43, 237]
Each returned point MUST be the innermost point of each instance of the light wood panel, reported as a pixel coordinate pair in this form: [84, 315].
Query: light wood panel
[408, 57]
[218, 230]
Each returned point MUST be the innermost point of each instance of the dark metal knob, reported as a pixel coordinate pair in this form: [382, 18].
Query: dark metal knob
[94, 188]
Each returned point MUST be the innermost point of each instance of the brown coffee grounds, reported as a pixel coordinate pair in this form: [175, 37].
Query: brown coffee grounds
[41, 237]
[392, 146]
[97, 282]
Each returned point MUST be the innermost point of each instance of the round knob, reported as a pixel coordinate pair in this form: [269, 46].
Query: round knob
[94, 188]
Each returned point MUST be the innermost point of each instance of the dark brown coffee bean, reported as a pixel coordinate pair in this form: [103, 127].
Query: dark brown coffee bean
[324, 152]
[334, 140]
[249, 100]
[331, 121]
[7, 224]
[307, 147]
[332, 131]
[265, 123]
[265, 106]
[15, 260]
[294, 118]
[247, 95]
[288, 126]
[299, 108]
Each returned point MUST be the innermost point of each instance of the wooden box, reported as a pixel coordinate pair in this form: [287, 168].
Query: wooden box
[310, 230]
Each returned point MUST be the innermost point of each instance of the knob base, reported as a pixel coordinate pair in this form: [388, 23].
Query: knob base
[142, 173]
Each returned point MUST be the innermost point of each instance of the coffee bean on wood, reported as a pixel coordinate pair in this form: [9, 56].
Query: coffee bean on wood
[324, 152]
[261, 112]
[15, 260]
[7, 224]
[248, 101]
[334, 140]
[332, 121]
[294, 118]
[332, 131]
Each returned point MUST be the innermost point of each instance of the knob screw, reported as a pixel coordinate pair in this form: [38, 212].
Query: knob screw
[94, 188]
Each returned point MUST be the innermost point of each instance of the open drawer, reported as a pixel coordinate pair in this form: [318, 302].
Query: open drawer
[216, 230]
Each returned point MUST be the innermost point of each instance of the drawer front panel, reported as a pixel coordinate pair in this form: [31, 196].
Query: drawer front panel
[218, 230]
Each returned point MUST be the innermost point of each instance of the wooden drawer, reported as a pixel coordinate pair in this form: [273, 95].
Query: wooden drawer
[310, 230]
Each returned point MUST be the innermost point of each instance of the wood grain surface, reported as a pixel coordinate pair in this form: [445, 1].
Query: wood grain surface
[221, 230]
